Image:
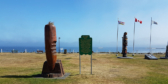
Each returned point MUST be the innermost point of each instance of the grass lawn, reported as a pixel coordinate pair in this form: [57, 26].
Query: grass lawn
[18, 68]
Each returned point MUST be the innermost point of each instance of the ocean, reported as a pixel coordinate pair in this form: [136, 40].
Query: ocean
[76, 49]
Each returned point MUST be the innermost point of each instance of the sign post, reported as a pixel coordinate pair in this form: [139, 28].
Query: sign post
[85, 47]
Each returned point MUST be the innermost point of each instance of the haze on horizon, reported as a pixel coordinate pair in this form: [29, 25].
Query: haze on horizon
[22, 22]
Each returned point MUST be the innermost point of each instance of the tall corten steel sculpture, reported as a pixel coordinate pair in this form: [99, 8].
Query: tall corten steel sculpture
[124, 45]
[50, 45]
[166, 57]
[52, 67]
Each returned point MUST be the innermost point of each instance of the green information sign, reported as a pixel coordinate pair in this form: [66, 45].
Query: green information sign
[85, 45]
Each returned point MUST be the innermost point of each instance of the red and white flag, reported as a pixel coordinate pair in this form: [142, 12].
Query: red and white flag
[136, 20]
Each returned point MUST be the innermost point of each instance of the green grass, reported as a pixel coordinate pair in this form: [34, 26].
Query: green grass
[107, 69]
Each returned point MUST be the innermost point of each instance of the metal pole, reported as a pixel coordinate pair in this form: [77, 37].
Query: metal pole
[150, 35]
[79, 64]
[117, 41]
[59, 44]
[122, 44]
[1, 50]
[91, 63]
[133, 39]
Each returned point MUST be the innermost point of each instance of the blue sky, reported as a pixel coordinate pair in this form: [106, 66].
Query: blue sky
[23, 21]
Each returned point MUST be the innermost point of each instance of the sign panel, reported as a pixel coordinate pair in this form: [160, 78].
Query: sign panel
[85, 45]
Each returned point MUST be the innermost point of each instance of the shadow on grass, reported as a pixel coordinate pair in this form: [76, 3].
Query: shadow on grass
[20, 76]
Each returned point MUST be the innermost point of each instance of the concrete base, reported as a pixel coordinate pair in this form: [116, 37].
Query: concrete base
[125, 57]
[57, 72]
[63, 77]
[150, 57]
[163, 57]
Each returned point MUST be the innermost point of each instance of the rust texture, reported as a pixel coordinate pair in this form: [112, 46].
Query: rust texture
[124, 45]
[50, 45]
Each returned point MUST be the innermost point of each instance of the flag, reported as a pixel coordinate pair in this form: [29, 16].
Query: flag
[140, 22]
[154, 22]
[136, 20]
[122, 23]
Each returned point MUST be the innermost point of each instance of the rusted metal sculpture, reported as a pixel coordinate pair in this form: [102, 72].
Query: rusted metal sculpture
[124, 45]
[52, 67]
[166, 55]
[166, 52]
[50, 45]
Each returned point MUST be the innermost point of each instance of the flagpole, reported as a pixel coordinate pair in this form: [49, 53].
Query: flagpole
[150, 35]
[133, 39]
[117, 40]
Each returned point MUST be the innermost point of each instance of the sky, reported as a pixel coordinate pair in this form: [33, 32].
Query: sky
[22, 22]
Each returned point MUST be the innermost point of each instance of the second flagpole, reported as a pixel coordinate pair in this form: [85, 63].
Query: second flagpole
[117, 40]
[150, 35]
[133, 39]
